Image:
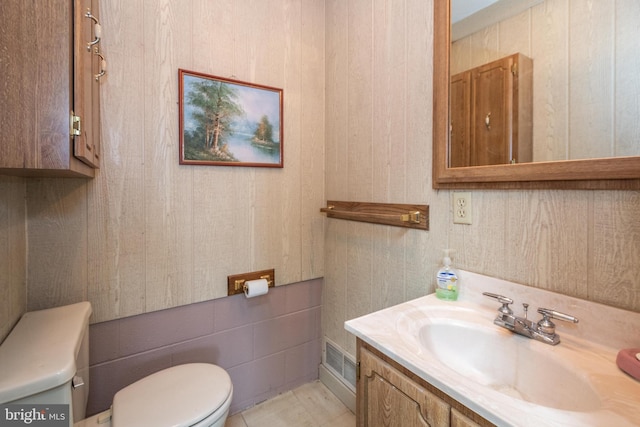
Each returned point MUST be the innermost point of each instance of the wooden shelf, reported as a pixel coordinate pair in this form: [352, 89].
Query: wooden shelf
[399, 215]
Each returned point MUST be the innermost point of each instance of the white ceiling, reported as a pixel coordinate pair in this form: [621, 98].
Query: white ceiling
[469, 16]
[461, 9]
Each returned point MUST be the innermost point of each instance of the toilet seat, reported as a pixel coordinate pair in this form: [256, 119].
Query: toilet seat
[180, 396]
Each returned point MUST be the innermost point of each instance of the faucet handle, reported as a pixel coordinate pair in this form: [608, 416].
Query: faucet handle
[505, 309]
[557, 315]
[547, 326]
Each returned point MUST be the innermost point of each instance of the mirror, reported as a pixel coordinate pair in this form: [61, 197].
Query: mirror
[548, 168]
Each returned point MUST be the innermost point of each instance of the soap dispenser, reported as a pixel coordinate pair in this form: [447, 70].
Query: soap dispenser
[447, 280]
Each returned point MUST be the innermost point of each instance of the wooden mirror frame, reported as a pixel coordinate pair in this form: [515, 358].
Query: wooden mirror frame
[606, 173]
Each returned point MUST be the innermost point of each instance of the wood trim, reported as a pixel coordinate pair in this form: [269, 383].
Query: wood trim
[621, 173]
[441, 72]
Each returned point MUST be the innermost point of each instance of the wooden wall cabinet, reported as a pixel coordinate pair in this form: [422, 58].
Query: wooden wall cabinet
[491, 113]
[50, 73]
[391, 396]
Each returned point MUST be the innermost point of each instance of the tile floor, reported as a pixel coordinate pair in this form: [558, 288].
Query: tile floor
[310, 405]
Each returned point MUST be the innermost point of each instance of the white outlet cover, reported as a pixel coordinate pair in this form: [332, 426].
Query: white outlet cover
[462, 208]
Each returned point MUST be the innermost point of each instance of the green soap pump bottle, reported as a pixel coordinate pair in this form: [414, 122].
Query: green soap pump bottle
[447, 280]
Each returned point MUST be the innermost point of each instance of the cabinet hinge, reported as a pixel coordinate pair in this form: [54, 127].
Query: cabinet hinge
[358, 371]
[514, 69]
[75, 125]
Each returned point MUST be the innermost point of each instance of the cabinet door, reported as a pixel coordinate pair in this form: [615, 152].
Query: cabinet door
[86, 97]
[389, 398]
[491, 113]
[37, 64]
[460, 420]
[459, 140]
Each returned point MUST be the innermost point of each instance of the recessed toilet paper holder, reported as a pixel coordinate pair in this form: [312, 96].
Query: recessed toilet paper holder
[235, 283]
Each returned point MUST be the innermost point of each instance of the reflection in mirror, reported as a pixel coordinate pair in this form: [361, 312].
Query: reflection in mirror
[599, 173]
[581, 99]
[490, 117]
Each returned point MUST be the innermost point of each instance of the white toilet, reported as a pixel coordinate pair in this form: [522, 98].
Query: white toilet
[45, 360]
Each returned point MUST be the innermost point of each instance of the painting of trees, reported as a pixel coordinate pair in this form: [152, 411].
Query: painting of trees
[215, 108]
[224, 121]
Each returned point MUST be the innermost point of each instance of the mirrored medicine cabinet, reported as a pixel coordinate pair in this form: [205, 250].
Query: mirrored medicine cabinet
[585, 94]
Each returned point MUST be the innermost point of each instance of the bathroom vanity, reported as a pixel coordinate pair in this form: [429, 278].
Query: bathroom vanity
[445, 363]
[411, 400]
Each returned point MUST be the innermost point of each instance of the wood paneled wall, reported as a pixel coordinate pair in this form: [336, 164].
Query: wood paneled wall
[584, 73]
[378, 148]
[148, 234]
[378, 115]
[13, 255]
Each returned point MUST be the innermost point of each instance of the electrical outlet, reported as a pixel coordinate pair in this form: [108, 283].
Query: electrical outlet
[462, 207]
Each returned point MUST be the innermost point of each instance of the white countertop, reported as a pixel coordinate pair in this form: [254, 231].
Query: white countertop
[588, 347]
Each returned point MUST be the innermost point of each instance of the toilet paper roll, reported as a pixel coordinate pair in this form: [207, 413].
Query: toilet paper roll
[254, 288]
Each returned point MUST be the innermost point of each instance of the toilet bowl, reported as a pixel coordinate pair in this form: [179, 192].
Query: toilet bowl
[45, 360]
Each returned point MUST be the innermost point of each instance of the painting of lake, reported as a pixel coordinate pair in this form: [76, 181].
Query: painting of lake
[240, 144]
[228, 122]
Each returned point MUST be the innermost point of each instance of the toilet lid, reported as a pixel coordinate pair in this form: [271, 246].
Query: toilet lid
[179, 396]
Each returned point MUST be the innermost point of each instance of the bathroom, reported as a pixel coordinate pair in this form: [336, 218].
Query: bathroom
[147, 234]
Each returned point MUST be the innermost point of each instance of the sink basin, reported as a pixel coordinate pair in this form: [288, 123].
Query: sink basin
[508, 363]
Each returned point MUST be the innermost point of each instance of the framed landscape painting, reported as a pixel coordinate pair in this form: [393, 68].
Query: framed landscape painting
[227, 122]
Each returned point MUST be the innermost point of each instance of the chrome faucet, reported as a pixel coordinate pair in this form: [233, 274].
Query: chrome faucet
[544, 330]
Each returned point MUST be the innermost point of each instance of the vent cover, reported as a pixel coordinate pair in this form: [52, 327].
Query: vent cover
[340, 364]
[349, 371]
[334, 358]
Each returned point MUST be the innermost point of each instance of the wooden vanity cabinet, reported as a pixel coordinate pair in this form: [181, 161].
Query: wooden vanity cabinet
[391, 396]
[48, 76]
[491, 113]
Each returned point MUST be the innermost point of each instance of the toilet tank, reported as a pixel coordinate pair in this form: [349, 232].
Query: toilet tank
[45, 359]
